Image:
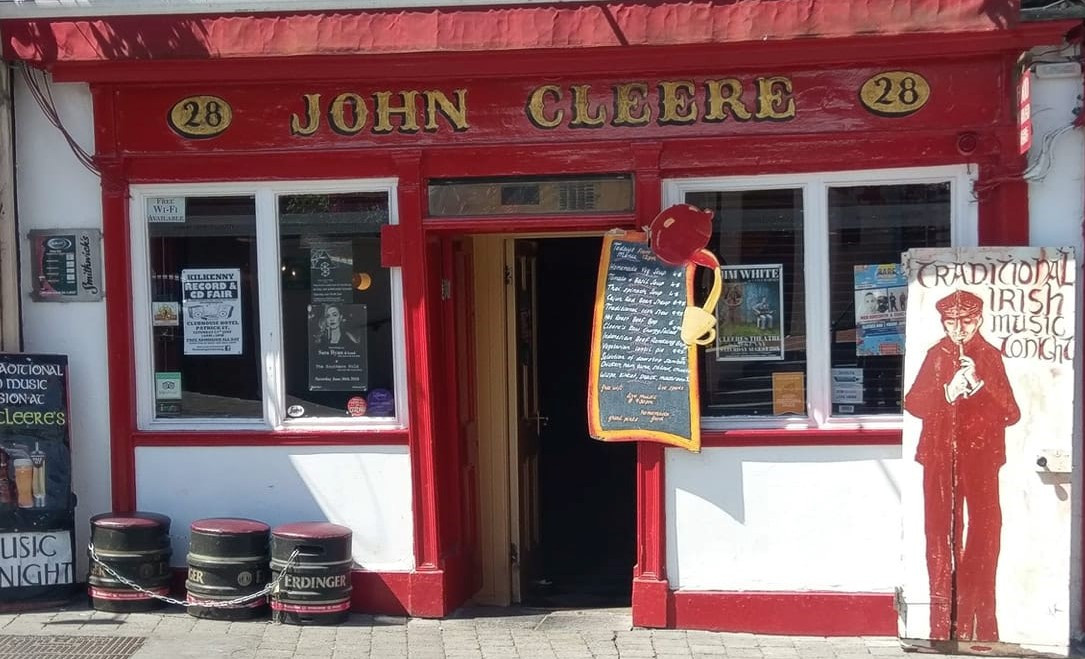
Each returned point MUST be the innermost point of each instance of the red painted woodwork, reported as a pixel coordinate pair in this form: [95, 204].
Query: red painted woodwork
[118, 281]
[391, 246]
[806, 613]
[495, 110]
[809, 437]
[489, 28]
[609, 61]
[968, 57]
[421, 408]
[652, 603]
[649, 573]
[272, 438]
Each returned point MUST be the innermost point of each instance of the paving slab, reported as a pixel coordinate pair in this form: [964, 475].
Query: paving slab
[470, 633]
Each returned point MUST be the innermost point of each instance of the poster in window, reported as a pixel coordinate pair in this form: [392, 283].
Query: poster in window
[337, 347]
[331, 266]
[751, 313]
[211, 298]
[881, 298]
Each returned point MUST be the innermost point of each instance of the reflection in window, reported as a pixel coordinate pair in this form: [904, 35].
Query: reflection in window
[869, 227]
[758, 236]
[337, 306]
[204, 308]
[532, 196]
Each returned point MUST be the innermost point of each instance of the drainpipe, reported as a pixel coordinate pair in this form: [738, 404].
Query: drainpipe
[10, 316]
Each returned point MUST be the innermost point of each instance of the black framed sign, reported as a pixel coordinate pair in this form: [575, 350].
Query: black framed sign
[37, 506]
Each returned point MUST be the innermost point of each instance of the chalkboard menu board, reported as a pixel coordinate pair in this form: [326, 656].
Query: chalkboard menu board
[643, 378]
[37, 506]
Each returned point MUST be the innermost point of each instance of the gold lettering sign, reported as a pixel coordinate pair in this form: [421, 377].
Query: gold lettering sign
[895, 93]
[349, 113]
[678, 102]
[199, 117]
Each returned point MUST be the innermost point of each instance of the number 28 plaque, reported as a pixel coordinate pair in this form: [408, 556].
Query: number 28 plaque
[895, 93]
[200, 117]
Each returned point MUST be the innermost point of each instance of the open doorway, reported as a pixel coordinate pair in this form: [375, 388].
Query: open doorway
[586, 489]
[556, 509]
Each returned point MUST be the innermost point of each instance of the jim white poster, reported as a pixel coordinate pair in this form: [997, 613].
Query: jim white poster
[751, 313]
[988, 438]
[211, 301]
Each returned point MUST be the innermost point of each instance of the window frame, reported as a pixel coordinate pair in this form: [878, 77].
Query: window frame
[269, 294]
[964, 221]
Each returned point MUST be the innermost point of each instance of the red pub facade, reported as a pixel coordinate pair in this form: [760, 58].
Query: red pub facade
[362, 244]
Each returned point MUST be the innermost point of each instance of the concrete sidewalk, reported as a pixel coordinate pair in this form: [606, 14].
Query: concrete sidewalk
[482, 633]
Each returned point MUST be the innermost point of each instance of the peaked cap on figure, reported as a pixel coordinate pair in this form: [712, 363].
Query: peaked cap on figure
[959, 304]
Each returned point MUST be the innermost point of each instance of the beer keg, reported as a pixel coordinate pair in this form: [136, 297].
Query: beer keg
[315, 589]
[227, 559]
[137, 547]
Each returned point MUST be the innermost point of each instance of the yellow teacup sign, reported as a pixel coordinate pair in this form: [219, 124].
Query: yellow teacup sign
[679, 236]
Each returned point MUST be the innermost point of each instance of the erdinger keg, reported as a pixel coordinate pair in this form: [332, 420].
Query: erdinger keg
[227, 559]
[137, 547]
[315, 589]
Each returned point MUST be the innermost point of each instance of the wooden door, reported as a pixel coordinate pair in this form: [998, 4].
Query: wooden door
[524, 414]
[462, 294]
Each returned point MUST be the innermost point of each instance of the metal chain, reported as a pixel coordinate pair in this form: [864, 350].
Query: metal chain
[266, 590]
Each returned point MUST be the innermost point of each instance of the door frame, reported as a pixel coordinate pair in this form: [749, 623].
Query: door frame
[496, 399]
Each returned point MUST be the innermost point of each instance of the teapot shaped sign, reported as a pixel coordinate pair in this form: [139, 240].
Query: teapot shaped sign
[643, 368]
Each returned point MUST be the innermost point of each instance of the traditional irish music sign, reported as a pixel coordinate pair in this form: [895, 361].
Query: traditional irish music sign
[37, 506]
[643, 377]
[986, 485]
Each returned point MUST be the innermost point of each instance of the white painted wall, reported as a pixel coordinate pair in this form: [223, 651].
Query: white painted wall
[55, 191]
[784, 518]
[1056, 200]
[365, 488]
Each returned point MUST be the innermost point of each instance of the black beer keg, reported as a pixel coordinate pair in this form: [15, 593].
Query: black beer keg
[316, 588]
[227, 559]
[137, 547]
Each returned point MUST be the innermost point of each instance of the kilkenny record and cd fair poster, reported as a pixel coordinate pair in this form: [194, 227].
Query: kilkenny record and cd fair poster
[211, 298]
[751, 313]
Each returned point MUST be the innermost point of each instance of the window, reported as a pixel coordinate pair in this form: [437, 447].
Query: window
[811, 317]
[450, 198]
[261, 306]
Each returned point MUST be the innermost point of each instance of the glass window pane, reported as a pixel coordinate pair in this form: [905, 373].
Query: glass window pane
[758, 237]
[531, 196]
[337, 306]
[869, 227]
[204, 307]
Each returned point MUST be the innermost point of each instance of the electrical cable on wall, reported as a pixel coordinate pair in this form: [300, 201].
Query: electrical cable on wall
[43, 96]
[1038, 170]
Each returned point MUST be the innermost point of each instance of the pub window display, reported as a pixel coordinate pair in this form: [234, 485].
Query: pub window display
[763, 240]
[337, 311]
[869, 227]
[758, 237]
[204, 308]
[328, 326]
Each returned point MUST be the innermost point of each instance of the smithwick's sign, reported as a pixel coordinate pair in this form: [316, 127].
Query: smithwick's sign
[67, 265]
[546, 107]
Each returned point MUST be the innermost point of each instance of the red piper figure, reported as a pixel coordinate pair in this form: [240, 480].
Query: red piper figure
[679, 235]
[966, 403]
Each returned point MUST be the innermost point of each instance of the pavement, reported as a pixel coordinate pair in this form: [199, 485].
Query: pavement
[482, 633]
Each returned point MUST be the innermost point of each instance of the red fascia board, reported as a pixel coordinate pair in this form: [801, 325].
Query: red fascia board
[606, 24]
[612, 61]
